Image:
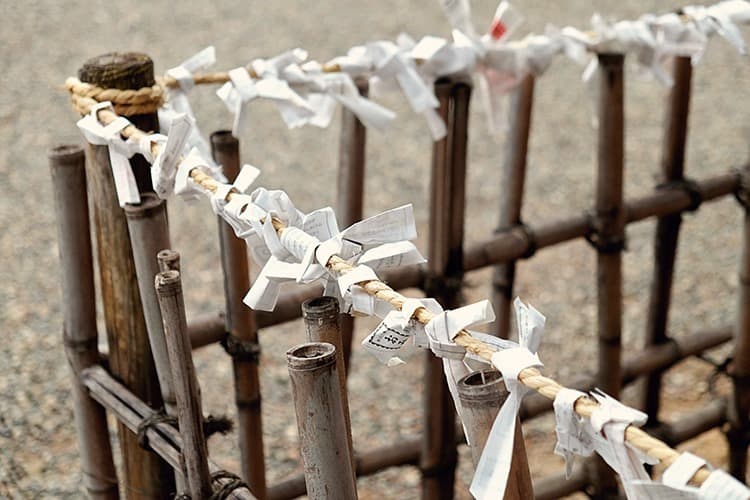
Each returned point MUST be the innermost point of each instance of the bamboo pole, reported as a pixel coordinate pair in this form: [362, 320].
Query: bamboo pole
[68, 168]
[149, 232]
[511, 198]
[320, 417]
[667, 228]
[169, 260]
[482, 394]
[350, 191]
[190, 416]
[145, 476]
[513, 244]
[445, 271]
[738, 433]
[242, 329]
[609, 239]
[322, 324]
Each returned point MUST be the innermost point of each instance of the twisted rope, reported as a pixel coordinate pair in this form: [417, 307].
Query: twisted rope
[126, 102]
[530, 377]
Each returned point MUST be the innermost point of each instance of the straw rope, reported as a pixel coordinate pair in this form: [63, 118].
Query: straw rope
[223, 76]
[147, 99]
[126, 102]
[530, 377]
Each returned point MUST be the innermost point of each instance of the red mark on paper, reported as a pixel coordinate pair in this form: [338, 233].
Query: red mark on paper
[498, 29]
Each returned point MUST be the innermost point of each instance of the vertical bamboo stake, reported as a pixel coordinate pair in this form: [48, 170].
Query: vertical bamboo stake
[667, 227]
[511, 198]
[240, 323]
[445, 261]
[350, 191]
[321, 316]
[147, 225]
[149, 233]
[320, 417]
[189, 414]
[738, 433]
[145, 475]
[609, 238]
[482, 394]
[68, 166]
[169, 260]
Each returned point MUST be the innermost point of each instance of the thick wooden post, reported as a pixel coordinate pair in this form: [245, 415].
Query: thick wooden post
[145, 475]
[320, 419]
[189, 414]
[68, 166]
[350, 191]
[667, 227]
[242, 337]
[482, 394]
[511, 198]
[445, 261]
[609, 239]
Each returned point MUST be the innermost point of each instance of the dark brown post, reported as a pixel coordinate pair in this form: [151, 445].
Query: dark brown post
[482, 394]
[609, 238]
[145, 475]
[738, 433]
[321, 316]
[445, 267]
[242, 338]
[667, 227]
[511, 198]
[68, 166]
[189, 413]
[320, 420]
[350, 191]
[169, 260]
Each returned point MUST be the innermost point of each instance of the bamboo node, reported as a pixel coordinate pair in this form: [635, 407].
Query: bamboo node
[689, 187]
[742, 194]
[240, 349]
[604, 243]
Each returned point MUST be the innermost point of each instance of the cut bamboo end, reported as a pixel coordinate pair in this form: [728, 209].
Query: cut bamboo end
[311, 356]
[168, 283]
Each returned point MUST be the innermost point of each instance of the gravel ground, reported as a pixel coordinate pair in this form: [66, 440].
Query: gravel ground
[45, 41]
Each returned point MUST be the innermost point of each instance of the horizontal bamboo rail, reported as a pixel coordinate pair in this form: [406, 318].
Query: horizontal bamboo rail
[163, 438]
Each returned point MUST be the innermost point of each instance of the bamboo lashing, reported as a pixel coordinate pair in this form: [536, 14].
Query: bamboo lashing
[530, 377]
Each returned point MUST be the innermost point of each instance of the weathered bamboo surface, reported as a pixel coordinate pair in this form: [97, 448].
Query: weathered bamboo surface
[190, 416]
[482, 394]
[80, 336]
[667, 227]
[444, 275]
[241, 329]
[325, 451]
